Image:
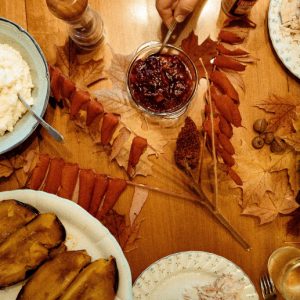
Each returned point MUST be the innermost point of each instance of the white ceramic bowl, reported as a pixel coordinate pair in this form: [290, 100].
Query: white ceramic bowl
[18, 38]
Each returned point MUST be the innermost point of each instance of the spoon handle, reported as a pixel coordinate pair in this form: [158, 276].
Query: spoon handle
[168, 35]
[53, 132]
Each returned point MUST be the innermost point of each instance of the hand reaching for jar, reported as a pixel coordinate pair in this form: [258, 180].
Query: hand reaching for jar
[175, 9]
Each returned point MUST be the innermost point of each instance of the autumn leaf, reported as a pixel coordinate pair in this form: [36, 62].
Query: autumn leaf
[139, 198]
[6, 168]
[206, 51]
[293, 139]
[284, 113]
[83, 74]
[126, 235]
[280, 201]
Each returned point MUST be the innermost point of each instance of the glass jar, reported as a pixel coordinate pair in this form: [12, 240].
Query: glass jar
[149, 89]
[238, 7]
[284, 269]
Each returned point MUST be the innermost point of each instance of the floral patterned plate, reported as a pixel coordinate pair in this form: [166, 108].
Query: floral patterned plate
[194, 275]
[287, 50]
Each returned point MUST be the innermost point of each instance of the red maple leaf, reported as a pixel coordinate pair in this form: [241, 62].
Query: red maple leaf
[206, 51]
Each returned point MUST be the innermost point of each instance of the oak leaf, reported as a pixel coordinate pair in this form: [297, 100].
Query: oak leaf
[206, 51]
[280, 201]
[293, 139]
[284, 113]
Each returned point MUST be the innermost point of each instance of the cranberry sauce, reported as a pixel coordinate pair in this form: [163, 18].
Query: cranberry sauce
[160, 83]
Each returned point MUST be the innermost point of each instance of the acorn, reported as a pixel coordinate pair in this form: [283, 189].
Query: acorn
[268, 138]
[258, 142]
[278, 145]
[260, 125]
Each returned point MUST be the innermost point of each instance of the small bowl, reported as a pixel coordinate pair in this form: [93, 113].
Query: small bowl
[143, 53]
[18, 38]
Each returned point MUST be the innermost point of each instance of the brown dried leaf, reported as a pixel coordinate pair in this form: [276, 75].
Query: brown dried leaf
[293, 139]
[254, 170]
[83, 74]
[207, 51]
[281, 201]
[6, 168]
[17, 162]
[139, 198]
[30, 161]
[284, 110]
[293, 225]
[88, 73]
[119, 142]
[127, 236]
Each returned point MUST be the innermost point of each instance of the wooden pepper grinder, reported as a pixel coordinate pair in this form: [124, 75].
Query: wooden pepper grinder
[86, 25]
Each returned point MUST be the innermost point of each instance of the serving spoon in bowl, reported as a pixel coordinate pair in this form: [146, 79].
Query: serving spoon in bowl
[53, 132]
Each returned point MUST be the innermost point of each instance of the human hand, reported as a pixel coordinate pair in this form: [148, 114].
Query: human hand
[175, 9]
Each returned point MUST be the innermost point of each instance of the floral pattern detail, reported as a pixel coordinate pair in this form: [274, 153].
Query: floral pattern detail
[180, 275]
[287, 50]
[223, 288]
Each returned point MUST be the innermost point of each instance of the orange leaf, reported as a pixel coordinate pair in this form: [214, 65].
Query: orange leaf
[230, 37]
[115, 188]
[86, 186]
[138, 147]
[221, 80]
[68, 180]
[53, 178]
[109, 125]
[222, 61]
[207, 51]
[101, 184]
[94, 109]
[39, 172]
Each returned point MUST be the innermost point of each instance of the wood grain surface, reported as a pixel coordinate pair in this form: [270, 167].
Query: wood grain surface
[170, 224]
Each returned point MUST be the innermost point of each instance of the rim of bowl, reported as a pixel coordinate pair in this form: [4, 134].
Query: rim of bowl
[171, 114]
[39, 50]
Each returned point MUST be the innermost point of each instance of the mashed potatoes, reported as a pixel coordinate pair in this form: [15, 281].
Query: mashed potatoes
[14, 78]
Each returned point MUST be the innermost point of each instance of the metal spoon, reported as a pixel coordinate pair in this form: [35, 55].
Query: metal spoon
[168, 35]
[53, 132]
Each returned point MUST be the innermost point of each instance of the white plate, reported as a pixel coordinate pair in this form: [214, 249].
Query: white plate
[18, 38]
[179, 277]
[83, 232]
[287, 50]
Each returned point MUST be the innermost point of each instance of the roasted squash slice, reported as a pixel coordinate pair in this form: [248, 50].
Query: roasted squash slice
[25, 249]
[95, 282]
[14, 215]
[54, 276]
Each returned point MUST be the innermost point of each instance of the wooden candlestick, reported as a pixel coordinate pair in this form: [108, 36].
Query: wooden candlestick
[85, 24]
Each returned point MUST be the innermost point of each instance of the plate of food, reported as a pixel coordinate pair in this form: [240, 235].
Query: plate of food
[23, 70]
[194, 275]
[284, 30]
[51, 246]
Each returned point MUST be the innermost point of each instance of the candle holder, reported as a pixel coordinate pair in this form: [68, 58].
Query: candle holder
[85, 24]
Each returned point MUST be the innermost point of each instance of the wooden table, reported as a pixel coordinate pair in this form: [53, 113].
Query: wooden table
[170, 224]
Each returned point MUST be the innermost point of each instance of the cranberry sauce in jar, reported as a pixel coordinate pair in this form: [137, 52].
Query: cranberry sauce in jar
[161, 83]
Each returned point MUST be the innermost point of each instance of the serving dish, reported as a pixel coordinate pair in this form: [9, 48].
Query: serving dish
[287, 50]
[182, 275]
[83, 232]
[153, 81]
[18, 38]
